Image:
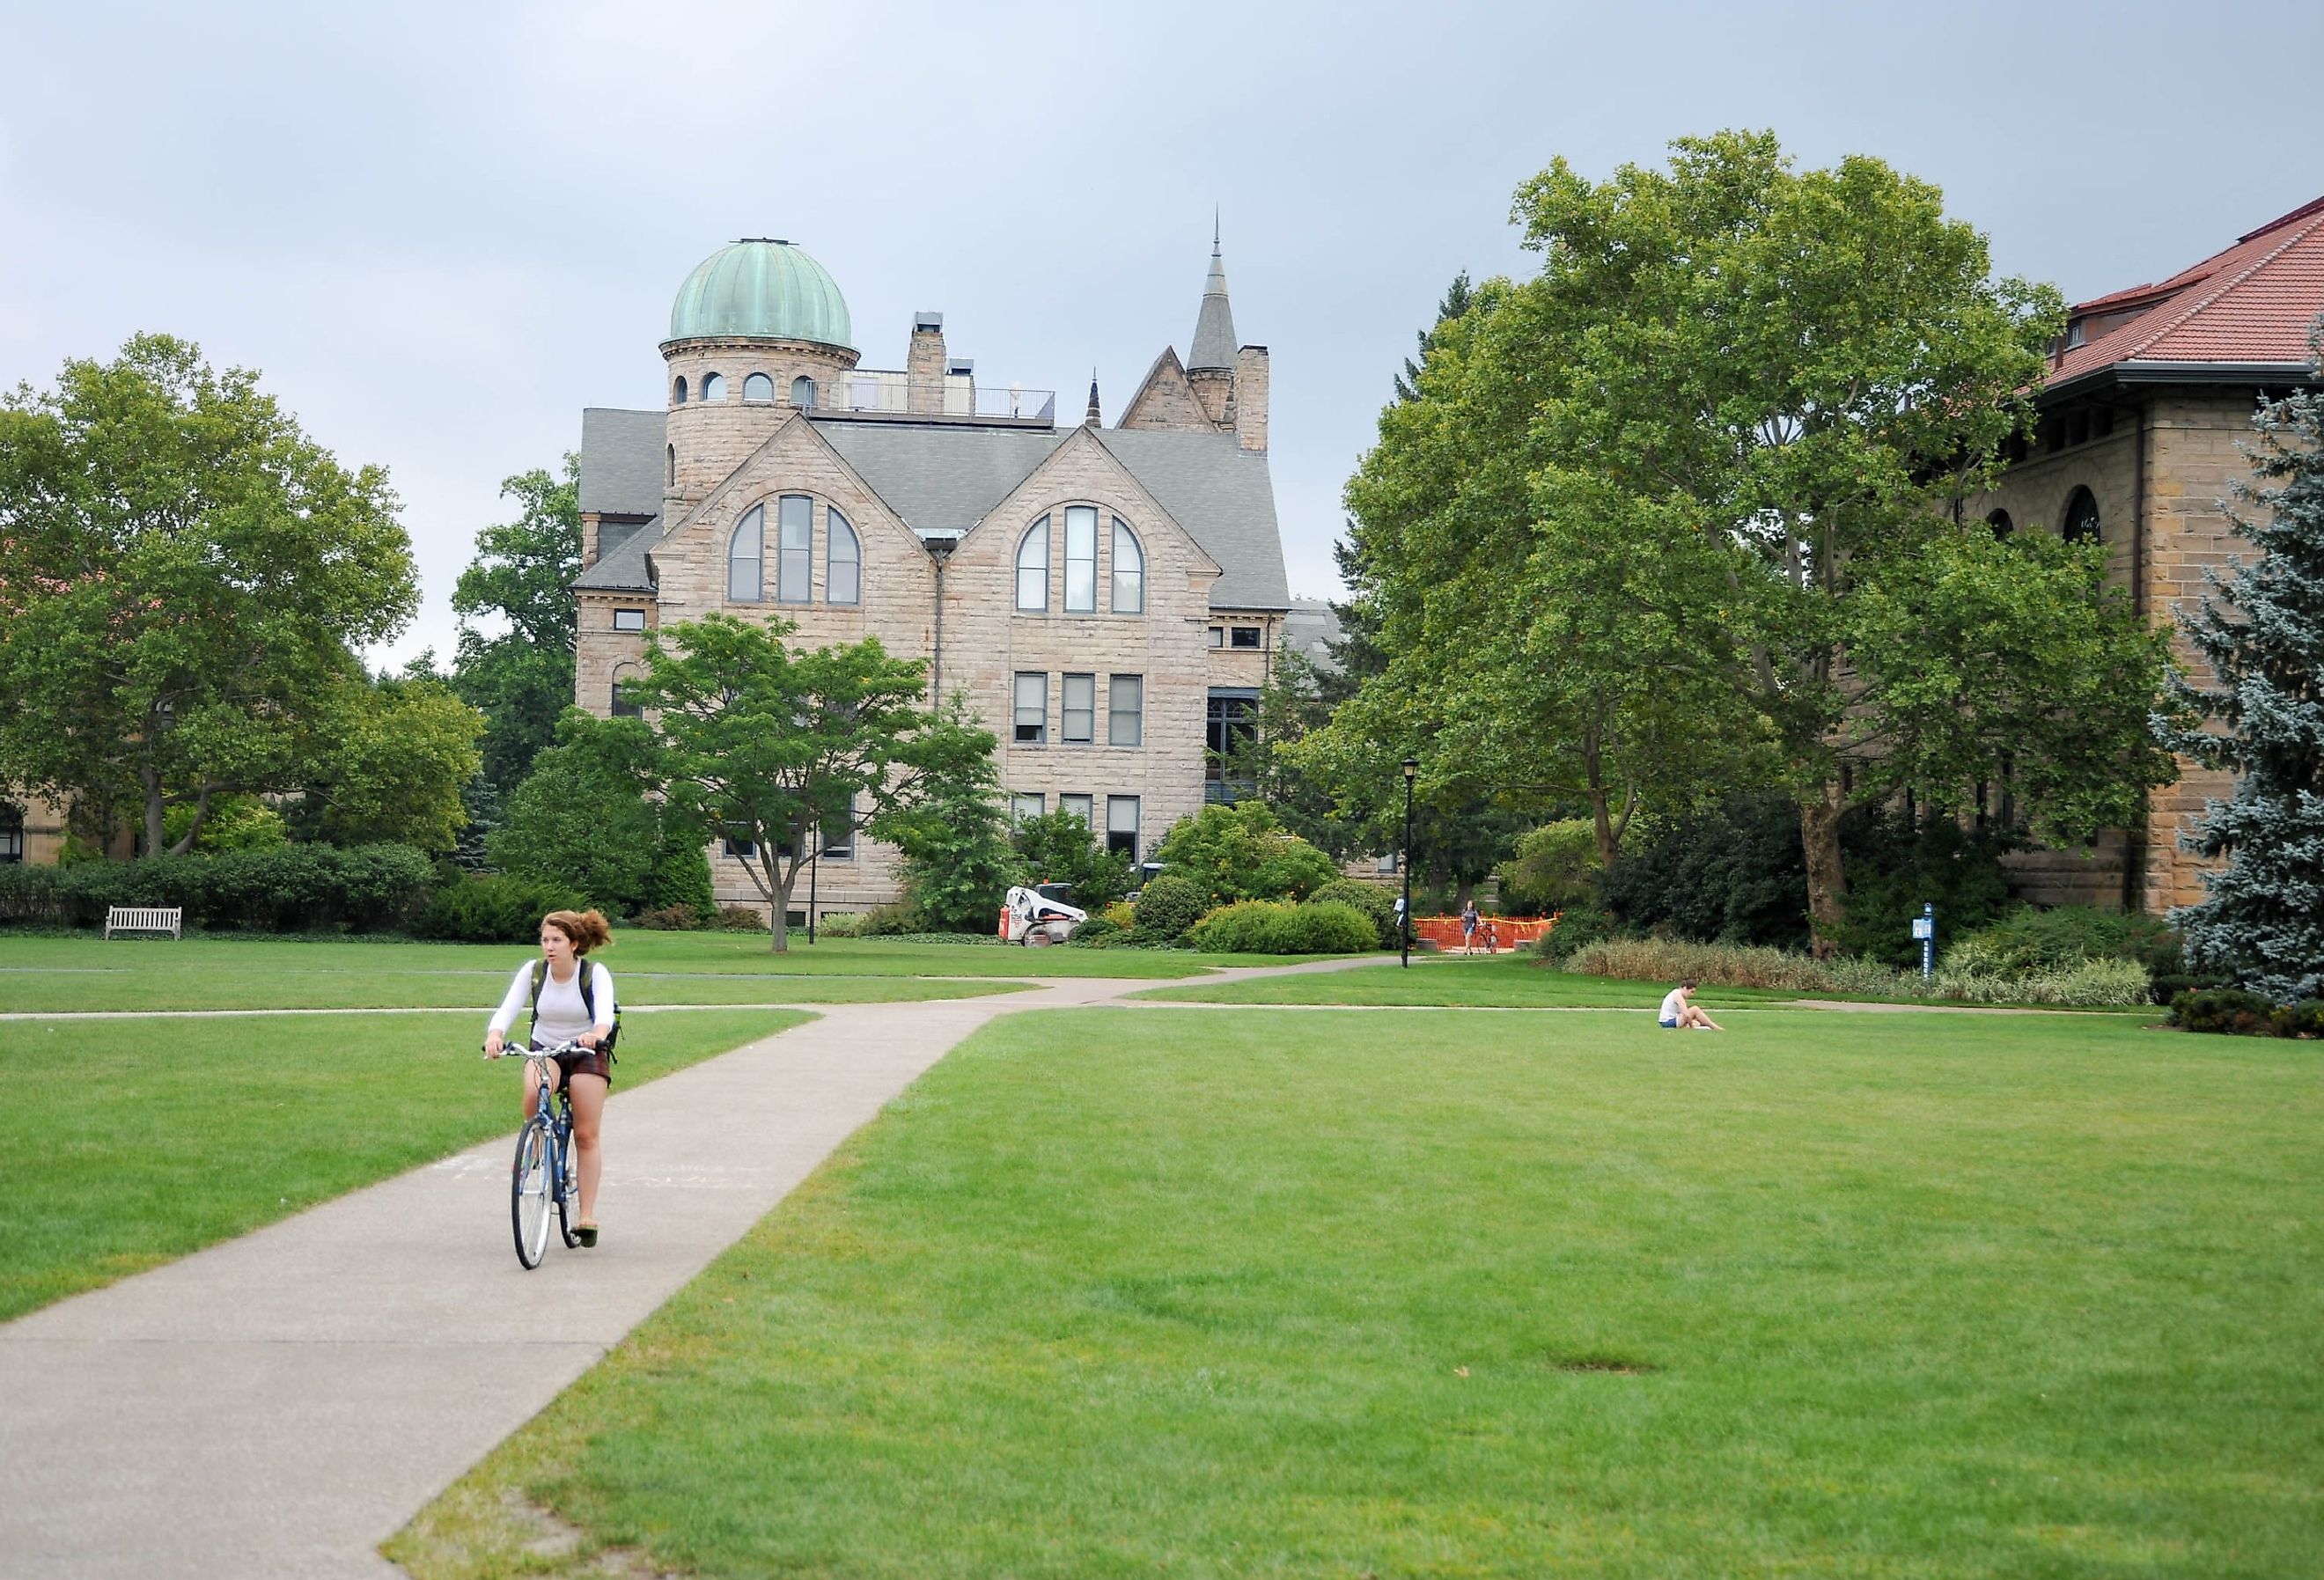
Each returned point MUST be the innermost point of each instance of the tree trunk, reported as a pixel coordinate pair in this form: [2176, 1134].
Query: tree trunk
[1603, 815]
[153, 832]
[1827, 882]
[194, 829]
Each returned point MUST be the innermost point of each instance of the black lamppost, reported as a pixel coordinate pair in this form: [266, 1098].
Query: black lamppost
[1411, 771]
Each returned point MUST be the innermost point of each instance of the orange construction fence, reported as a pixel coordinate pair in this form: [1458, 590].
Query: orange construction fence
[1497, 932]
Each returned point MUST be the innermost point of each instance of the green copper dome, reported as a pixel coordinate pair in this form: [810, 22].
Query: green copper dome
[761, 290]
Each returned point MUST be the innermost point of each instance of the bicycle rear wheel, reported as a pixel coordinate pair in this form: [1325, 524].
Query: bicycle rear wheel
[530, 1189]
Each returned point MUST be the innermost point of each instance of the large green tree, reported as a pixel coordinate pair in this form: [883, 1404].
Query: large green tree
[514, 660]
[760, 743]
[2262, 631]
[951, 832]
[185, 580]
[402, 747]
[1712, 443]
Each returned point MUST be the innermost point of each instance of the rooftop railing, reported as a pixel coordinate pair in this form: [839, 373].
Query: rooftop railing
[879, 391]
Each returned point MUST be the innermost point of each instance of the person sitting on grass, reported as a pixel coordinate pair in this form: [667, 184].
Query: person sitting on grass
[1679, 1015]
[566, 1007]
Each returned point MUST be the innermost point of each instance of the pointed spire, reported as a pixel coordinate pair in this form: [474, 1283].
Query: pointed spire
[1214, 332]
[1092, 419]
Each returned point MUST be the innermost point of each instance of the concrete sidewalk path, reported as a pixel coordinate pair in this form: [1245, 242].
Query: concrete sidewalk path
[275, 1407]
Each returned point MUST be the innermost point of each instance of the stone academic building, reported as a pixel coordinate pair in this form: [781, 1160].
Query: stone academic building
[1109, 598]
[2150, 394]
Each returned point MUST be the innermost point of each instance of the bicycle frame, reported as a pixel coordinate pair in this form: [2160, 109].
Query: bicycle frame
[552, 1110]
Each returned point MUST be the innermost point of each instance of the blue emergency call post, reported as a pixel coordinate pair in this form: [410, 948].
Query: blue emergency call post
[1925, 928]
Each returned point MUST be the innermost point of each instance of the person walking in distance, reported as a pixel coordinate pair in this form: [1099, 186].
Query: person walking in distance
[1678, 1015]
[1468, 927]
[572, 1000]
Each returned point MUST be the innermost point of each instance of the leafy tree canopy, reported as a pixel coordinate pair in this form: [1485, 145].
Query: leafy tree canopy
[958, 864]
[185, 577]
[1060, 847]
[1242, 851]
[517, 620]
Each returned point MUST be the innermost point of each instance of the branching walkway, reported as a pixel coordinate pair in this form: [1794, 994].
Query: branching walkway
[279, 1405]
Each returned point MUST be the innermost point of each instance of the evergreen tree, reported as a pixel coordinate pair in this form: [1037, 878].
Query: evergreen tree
[2263, 633]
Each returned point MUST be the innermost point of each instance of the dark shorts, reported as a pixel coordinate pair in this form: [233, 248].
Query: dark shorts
[597, 1063]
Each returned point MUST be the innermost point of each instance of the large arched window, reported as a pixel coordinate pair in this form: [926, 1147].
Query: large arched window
[1033, 567]
[1128, 570]
[843, 578]
[1081, 559]
[714, 386]
[677, 391]
[803, 392]
[746, 557]
[795, 570]
[625, 692]
[758, 387]
[2081, 517]
[2000, 523]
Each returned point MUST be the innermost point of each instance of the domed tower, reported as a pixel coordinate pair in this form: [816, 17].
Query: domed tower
[757, 332]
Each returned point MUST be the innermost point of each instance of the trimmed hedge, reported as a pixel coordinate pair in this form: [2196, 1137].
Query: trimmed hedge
[2085, 983]
[1268, 927]
[1168, 905]
[496, 909]
[285, 888]
[2235, 1013]
[1368, 898]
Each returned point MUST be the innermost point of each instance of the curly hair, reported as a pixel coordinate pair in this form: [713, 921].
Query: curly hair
[587, 929]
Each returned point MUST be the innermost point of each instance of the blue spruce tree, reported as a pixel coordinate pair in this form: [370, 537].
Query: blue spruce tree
[2262, 922]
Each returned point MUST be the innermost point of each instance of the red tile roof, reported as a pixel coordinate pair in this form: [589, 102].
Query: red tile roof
[2255, 302]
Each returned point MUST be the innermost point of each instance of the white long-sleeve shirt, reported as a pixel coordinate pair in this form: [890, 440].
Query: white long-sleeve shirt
[563, 1015]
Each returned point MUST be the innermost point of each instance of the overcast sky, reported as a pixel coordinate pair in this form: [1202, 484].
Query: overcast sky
[440, 230]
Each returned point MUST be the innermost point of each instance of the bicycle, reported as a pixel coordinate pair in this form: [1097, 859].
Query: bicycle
[545, 1154]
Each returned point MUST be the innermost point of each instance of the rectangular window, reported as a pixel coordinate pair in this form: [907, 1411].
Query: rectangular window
[1081, 807]
[1246, 636]
[1023, 806]
[839, 836]
[1229, 725]
[629, 619]
[1081, 709]
[795, 567]
[1032, 709]
[1081, 559]
[1386, 864]
[1121, 825]
[1125, 711]
[12, 831]
[742, 850]
[1218, 636]
[625, 697]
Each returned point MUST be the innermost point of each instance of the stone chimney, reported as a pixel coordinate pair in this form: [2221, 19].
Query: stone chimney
[924, 368]
[1250, 398]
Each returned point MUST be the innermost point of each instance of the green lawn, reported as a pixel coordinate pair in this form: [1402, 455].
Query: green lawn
[1500, 981]
[1213, 1293]
[223, 971]
[128, 1143]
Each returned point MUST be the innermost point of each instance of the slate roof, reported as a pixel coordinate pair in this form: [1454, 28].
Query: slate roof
[948, 477]
[1214, 333]
[2257, 303]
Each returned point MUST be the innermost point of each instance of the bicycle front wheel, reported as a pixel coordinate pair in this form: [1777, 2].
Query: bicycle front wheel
[530, 1186]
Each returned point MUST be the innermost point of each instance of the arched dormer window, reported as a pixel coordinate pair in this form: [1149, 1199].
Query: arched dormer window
[795, 567]
[677, 391]
[758, 388]
[2000, 523]
[803, 392]
[1128, 570]
[714, 387]
[842, 578]
[673, 464]
[746, 557]
[1033, 567]
[1081, 559]
[2081, 517]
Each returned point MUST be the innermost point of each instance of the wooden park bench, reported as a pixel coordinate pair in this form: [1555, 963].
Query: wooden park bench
[145, 918]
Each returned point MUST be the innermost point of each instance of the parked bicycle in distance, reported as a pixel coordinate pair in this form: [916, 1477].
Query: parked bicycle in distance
[545, 1171]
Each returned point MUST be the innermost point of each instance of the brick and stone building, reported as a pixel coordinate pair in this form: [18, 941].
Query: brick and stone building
[2149, 398]
[1108, 599]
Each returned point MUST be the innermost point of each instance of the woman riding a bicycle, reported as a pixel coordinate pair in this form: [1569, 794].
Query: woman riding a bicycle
[566, 1007]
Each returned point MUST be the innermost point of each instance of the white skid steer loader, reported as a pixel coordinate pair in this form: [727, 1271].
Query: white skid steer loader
[1038, 917]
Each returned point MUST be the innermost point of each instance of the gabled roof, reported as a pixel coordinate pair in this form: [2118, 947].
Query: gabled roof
[941, 479]
[2252, 305]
